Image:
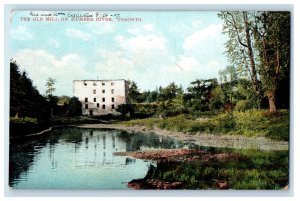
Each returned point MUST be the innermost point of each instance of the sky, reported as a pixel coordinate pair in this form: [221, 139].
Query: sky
[155, 49]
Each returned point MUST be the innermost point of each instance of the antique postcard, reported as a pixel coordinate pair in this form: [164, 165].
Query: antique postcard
[149, 100]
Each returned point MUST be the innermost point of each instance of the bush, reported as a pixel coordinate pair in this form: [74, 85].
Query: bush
[251, 123]
[243, 105]
[20, 120]
[19, 126]
[145, 110]
[224, 123]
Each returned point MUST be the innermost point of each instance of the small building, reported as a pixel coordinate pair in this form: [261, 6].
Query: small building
[100, 97]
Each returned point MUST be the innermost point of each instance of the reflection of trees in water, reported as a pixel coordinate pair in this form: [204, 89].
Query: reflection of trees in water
[71, 134]
[24, 152]
[19, 159]
[134, 141]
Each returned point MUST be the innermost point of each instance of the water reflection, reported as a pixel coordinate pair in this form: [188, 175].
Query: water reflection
[81, 158]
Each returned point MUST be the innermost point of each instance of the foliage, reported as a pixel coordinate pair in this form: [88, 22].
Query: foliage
[250, 123]
[243, 105]
[63, 100]
[19, 126]
[200, 94]
[125, 109]
[25, 99]
[144, 109]
[259, 45]
[133, 92]
[50, 86]
[23, 120]
[72, 120]
[74, 107]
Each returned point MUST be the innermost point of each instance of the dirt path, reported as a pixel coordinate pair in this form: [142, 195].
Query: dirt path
[211, 140]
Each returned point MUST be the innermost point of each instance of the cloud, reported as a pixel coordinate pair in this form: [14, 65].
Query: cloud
[183, 65]
[76, 33]
[142, 42]
[114, 65]
[196, 24]
[21, 33]
[189, 67]
[148, 27]
[144, 38]
[53, 43]
[210, 32]
[40, 65]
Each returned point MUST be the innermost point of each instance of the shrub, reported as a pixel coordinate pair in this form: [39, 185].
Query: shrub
[243, 105]
[224, 122]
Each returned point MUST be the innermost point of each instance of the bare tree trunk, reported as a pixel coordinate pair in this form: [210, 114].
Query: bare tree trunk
[271, 97]
[251, 56]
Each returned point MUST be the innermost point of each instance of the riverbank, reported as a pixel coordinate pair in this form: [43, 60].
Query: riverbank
[198, 169]
[202, 139]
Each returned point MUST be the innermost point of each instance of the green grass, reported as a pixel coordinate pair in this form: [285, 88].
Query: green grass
[251, 123]
[21, 120]
[253, 170]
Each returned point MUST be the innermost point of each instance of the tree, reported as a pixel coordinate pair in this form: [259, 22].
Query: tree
[125, 109]
[272, 40]
[25, 99]
[74, 107]
[50, 86]
[240, 44]
[169, 92]
[259, 42]
[200, 93]
[133, 92]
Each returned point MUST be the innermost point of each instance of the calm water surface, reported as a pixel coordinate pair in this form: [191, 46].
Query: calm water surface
[79, 158]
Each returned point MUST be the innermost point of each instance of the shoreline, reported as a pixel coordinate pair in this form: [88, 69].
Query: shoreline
[203, 139]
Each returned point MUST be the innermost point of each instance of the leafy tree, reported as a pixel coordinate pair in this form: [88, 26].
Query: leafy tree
[259, 44]
[169, 92]
[125, 109]
[25, 99]
[199, 94]
[133, 92]
[240, 45]
[74, 107]
[64, 100]
[272, 40]
[50, 86]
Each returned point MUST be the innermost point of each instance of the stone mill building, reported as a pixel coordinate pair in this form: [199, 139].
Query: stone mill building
[100, 97]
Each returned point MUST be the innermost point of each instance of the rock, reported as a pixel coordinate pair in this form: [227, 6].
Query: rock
[222, 185]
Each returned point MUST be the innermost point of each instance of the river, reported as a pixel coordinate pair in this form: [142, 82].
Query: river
[78, 158]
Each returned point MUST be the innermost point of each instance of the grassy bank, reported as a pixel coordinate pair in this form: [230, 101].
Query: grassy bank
[250, 170]
[252, 123]
[19, 126]
[72, 120]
